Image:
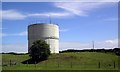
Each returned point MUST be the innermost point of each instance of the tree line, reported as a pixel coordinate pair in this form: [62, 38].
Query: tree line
[116, 51]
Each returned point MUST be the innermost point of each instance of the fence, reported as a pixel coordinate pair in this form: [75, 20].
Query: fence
[63, 65]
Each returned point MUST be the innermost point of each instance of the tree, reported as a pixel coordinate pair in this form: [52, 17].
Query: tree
[39, 50]
[116, 51]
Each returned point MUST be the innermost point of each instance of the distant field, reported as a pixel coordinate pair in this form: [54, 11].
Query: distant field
[64, 61]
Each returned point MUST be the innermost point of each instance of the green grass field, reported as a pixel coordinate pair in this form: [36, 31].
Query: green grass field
[64, 61]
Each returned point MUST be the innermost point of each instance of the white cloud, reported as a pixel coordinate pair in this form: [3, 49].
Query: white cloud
[24, 33]
[15, 15]
[64, 30]
[74, 45]
[2, 34]
[12, 15]
[70, 9]
[53, 14]
[19, 48]
[80, 8]
[111, 19]
[107, 44]
[2, 28]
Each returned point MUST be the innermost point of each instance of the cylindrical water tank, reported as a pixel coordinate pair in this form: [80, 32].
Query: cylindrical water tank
[47, 32]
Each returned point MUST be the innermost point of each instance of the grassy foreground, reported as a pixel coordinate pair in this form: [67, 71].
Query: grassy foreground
[64, 61]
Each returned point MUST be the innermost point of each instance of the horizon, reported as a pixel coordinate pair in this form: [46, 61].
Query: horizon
[63, 50]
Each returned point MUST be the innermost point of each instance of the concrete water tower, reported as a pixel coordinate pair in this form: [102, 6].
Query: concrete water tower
[47, 32]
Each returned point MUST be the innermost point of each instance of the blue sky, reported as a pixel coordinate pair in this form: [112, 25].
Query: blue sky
[79, 22]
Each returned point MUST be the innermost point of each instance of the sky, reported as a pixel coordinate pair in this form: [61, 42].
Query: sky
[80, 23]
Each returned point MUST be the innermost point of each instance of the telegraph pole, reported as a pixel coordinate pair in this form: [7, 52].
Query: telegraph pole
[93, 44]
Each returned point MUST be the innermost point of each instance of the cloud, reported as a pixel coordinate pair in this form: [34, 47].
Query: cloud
[80, 8]
[15, 15]
[2, 28]
[107, 44]
[74, 45]
[19, 48]
[69, 9]
[12, 15]
[2, 34]
[53, 14]
[111, 19]
[24, 33]
[64, 30]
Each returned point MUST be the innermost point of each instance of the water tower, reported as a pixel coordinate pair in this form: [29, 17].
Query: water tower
[44, 31]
